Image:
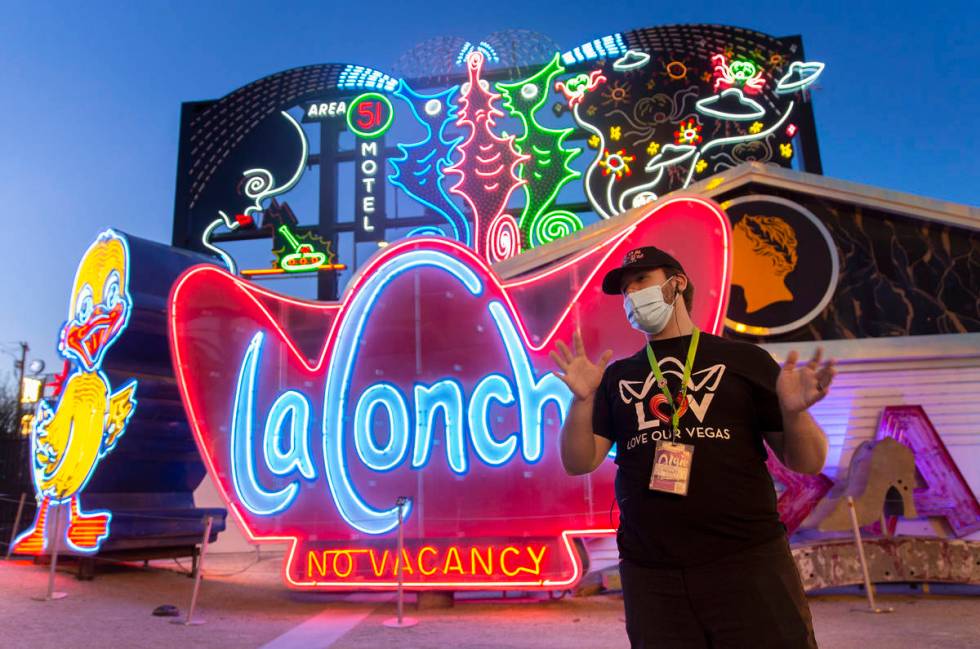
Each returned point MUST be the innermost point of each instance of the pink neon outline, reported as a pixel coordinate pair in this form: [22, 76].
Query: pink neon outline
[453, 248]
[564, 541]
[489, 174]
[611, 244]
[475, 123]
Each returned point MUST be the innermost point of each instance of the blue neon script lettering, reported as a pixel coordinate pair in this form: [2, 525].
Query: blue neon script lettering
[250, 492]
[286, 446]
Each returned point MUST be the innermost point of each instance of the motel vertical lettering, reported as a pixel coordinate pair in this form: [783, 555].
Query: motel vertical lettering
[369, 192]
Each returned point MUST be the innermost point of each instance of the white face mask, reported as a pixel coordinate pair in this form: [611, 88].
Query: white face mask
[647, 310]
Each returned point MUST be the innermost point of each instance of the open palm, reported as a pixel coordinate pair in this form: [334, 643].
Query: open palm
[580, 374]
[801, 386]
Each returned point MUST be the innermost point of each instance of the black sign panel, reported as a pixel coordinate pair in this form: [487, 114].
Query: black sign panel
[785, 267]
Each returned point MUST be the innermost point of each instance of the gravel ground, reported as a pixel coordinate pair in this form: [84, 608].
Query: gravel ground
[245, 605]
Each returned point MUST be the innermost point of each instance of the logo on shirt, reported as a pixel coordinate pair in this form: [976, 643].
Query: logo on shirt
[652, 409]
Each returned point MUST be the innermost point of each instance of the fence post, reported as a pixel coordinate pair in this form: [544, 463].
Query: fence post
[197, 576]
[13, 530]
[868, 586]
[55, 540]
[400, 622]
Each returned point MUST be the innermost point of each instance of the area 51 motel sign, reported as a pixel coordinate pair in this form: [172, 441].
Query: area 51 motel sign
[430, 379]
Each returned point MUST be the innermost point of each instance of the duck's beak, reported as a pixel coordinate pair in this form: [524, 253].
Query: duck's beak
[89, 339]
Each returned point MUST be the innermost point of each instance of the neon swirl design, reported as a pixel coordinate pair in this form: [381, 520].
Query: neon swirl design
[260, 184]
[503, 238]
[553, 226]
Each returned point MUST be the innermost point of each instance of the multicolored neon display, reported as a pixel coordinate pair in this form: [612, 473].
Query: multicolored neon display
[547, 170]
[621, 95]
[421, 169]
[487, 167]
[69, 440]
[299, 254]
[429, 379]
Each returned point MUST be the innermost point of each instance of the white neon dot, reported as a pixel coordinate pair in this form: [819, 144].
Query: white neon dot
[433, 107]
[529, 91]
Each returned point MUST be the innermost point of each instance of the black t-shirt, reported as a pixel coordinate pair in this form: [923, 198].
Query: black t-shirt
[730, 502]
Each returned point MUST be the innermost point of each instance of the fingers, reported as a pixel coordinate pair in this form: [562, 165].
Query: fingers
[577, 342]
[561, 363]
[565, 352]
[815, 361]
[826, 374]
[604, 359]
[791, 359]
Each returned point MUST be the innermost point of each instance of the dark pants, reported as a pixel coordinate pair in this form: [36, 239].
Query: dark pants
[750, 600]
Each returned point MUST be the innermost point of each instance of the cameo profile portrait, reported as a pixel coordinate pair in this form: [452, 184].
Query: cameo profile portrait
[785, 266]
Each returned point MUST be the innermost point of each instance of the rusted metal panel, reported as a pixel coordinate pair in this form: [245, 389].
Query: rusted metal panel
[827, 564]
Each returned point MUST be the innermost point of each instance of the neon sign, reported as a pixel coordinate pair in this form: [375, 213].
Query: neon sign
[414, 169]
[739, 73]
[369, 193]
[488, 166]
[303, 258]
[730, 94]
[325, 110]
[455, 562]
[548, 170]
[428, 378]
[69, 441]
[370, 115]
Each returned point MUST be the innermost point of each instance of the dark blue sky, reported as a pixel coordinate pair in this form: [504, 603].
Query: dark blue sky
[91, 98]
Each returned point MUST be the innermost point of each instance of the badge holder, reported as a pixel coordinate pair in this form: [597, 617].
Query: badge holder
[672, 467]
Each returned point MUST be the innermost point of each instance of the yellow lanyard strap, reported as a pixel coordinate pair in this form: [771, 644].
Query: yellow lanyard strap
[692, 349]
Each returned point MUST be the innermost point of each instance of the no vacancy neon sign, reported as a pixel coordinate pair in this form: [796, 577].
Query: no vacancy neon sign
[429, 379]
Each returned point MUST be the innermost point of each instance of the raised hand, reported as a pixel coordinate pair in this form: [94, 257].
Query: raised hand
[799, 387]
[580, 374]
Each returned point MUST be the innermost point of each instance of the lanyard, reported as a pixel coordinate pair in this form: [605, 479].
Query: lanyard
[688, 366]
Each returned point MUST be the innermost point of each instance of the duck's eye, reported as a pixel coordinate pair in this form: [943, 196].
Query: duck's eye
[110, 291]
[84, 305]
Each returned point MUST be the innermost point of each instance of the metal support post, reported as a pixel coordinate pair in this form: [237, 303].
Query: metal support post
[868, 586]
[401, 622]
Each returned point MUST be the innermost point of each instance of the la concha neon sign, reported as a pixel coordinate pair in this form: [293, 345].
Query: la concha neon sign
[430, 379]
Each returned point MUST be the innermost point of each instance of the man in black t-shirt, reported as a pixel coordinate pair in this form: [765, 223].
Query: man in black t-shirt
[704, 558]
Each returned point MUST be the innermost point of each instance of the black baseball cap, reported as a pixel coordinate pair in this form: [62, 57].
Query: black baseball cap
[637, 259]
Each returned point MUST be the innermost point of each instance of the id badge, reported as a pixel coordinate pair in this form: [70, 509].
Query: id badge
[672, 467]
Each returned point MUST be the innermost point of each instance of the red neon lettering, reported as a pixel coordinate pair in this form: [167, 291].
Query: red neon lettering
[370, 114]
